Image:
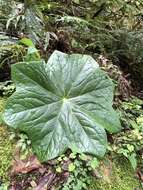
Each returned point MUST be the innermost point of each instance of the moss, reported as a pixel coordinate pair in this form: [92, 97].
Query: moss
[6, 147]
[122, 178]
[2, 103]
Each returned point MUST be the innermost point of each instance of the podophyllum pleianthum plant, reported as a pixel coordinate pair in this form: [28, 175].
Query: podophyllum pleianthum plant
[63, 104]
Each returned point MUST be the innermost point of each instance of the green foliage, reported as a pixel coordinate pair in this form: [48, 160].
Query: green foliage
[125, 49]
[130, 112]
[27, 42]
[110, 27]
[79, 167]
[7, 88]
[6, 147]
[94, 163]
[27, 18]
[16, 15]
[6, 150]
[32, 51]
[130, 142]
[23, 144]
[2, 103]
[10, 51]
[5, 8]
[4, 186]
[68, 104]
[122, 177]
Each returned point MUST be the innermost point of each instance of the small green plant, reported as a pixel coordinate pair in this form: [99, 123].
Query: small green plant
[130, 111]
[4, 186]
[79, 168]
[128, 151]
[32, 51]
[130, 142]
[23, 143]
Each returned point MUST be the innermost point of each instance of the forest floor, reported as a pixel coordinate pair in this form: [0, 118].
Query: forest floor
[117, 175]
[6, 148]
[76, 27]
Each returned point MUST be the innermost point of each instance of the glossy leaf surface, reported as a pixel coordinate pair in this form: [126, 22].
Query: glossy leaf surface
[63, 104]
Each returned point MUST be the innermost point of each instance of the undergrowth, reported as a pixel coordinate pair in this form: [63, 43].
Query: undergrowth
[121, 177]
[6, 148]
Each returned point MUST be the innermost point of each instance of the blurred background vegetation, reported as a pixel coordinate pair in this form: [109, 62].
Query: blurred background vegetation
[112, 28]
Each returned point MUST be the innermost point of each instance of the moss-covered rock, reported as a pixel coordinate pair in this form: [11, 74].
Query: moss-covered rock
[122, 178]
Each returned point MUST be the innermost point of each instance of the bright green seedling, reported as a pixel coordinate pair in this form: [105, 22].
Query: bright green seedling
[94, 163]
[63, 104]
[71, 167]
[32, 52]
[58, 169]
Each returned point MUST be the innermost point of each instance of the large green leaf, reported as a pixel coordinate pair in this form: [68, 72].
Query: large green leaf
[63, 104]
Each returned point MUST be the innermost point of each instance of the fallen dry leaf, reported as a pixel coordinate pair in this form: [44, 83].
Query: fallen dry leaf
[25, 166]
[107, 170]
[140, 175]
[33, 184]
[45, 182]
